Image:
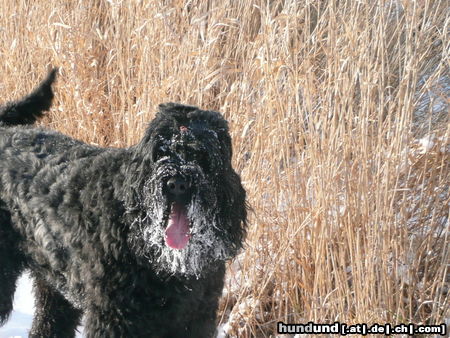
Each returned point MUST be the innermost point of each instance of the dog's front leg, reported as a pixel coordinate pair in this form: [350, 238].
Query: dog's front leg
[109, 322]
[55, 317]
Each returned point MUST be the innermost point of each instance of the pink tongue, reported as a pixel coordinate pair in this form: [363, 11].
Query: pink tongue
[177, 232]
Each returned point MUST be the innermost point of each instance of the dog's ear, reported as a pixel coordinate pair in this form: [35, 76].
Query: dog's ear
[234, 207]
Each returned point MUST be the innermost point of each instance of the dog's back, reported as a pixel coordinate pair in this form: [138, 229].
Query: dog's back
[31, 107]
[24, 151]
[22, 112]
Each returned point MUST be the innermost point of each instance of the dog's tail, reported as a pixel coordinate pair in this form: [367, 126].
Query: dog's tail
[31, 107]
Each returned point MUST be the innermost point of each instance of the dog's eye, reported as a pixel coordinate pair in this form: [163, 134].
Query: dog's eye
[159, 153]
[201, 157]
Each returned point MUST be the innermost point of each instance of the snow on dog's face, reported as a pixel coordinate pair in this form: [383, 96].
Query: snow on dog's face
[189, 205]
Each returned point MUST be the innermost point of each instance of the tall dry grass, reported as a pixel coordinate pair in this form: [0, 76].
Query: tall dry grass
[339, 117]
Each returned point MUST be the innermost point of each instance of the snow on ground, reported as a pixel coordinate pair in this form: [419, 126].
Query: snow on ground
[19, 323]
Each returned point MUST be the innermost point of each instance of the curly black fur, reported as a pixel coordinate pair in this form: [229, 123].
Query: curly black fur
[92, 223]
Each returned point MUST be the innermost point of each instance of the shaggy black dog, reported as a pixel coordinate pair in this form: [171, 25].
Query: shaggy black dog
[134, 239]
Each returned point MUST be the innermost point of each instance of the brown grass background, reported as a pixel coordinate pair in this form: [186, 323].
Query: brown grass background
[339, 118]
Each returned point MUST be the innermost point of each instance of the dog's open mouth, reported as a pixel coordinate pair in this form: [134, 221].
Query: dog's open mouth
[177, 231]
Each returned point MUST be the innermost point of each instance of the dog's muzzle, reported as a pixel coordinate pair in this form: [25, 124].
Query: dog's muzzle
[177, 233]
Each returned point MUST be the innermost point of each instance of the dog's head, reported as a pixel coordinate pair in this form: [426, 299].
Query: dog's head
[187, 203]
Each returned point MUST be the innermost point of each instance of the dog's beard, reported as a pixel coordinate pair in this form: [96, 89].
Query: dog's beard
[207, 243]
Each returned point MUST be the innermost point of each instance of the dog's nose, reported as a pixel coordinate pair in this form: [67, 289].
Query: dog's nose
[177, 186]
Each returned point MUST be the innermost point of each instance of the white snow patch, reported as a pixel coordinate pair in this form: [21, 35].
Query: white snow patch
[222, 330]
[24, 297]
[426, 143]
[19, 323]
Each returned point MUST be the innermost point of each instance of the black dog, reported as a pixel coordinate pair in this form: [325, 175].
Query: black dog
[133, 239]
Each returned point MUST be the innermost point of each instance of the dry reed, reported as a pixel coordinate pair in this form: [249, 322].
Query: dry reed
[339, 117]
